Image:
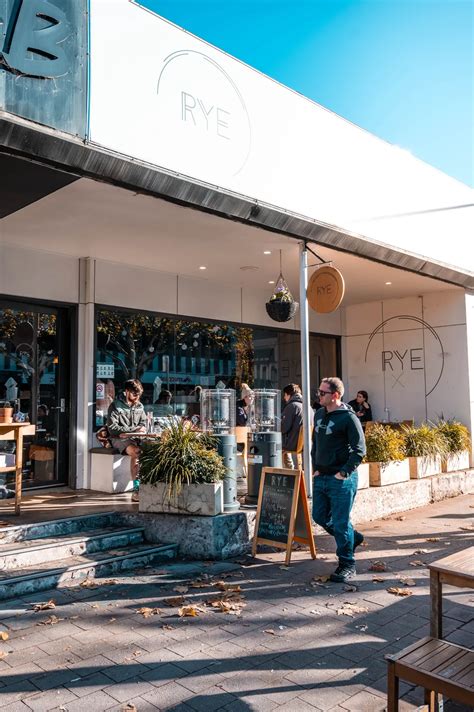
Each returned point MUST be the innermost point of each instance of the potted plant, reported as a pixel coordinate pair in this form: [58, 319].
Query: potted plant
[181, 473]
[425, 446]
[6, 413]
[386, 456]
[281, 305]
[458, 444]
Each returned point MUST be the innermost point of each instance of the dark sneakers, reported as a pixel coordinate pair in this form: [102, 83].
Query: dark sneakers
[358, 539]
[343, 573]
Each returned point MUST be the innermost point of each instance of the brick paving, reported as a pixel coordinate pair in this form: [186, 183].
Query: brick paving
[289, 649]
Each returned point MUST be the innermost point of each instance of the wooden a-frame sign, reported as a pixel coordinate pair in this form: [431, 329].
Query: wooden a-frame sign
[282, 511]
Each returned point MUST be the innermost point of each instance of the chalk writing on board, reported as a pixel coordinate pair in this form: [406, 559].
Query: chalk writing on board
[277, 499]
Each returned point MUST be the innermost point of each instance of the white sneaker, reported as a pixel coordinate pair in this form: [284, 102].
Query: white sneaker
[135, 496]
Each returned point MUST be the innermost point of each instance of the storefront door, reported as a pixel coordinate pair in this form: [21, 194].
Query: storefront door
[35, 380]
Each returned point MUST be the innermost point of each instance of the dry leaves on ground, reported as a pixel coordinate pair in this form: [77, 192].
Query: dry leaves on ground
[378, 579]
[181, 589]
[378, 566]
[3, 635]
[147, 612]
[89, 583]
[399, 591]
[417, 562]
[230, 587]
[407, 581]
[320, 579]
[350, 609]
[269, 631]
[421, 551]
[46, 606]
[400, 519]
[3, 655]
[190, 611]
[222, 606]
[167, 627]
[174, 601]
[129, 707]
[350, 588]
[434, 538]
[50, 620]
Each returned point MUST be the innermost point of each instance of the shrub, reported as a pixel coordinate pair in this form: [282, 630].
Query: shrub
[384, 444]
[183, 455]
[424, 441]
[455, 434]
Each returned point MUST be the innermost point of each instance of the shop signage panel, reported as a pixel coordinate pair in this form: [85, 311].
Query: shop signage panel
[43, 62]
[165, 97]
[105, 370]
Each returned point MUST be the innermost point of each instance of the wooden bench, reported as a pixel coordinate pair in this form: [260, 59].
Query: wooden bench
[437, 666]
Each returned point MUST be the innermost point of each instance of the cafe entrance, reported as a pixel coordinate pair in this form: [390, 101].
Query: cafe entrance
[35, 380]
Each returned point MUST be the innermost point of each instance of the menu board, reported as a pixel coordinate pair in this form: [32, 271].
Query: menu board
[282, 511]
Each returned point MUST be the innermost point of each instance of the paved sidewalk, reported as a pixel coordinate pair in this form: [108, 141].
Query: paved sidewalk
[291, 648]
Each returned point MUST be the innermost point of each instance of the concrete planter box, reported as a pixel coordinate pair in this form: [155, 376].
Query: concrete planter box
[201, 499]
[424, 466]
[458, 461]
[364, 478]
[389, 474]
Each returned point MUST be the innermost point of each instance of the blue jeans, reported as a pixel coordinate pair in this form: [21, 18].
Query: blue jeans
[332, 504]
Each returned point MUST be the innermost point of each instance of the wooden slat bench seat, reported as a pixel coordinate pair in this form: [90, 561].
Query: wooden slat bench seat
[437, 666]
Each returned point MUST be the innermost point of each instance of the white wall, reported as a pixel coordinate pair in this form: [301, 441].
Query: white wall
[411, 355]
[196, 111]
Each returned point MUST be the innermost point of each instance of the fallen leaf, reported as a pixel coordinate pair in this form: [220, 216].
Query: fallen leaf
[222, 605]
[315, 612]
[284, 568]
[320, 579]
[229, 587]
[148, 612]
[348, 609]
[269, 631]
[468, 529]
[44, 606]
[3, 655]
[50, 620]
[421, 551]
[399, 591]
[4, 635]
[417, 562]
[433, 538]
[400, 519]
[200, 584]
[129, 707]
[190, 611]
[108, 582]
[407, 581]
[181, 589]
[378, 579]
[88, 583]
[174, 602]
[378, 566]
[350, 589]
[167, 627]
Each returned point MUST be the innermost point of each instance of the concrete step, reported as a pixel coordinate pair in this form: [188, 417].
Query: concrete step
[31, 552]
[69, 571]
[58, 527]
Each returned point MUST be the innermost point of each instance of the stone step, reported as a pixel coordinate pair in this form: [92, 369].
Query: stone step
[69, 571]
[58, 527]
[29, 553]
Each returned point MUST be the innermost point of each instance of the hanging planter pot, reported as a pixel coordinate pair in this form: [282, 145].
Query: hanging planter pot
[281, 306]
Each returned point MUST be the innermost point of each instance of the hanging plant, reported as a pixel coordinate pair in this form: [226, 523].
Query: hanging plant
[281, 305]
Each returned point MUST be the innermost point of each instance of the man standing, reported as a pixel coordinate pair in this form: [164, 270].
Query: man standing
[291, 423]
[126, 415]
[338, 449]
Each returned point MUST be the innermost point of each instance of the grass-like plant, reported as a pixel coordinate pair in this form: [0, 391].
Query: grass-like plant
[456, 435]
[182, 456]
[424, 441]
[384, 444]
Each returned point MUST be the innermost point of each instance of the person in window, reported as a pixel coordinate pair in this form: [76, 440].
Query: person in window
[243, 406]
[361, 407]
[163, 407]
[126, 415]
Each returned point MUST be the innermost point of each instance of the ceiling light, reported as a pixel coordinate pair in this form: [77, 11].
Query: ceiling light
[202, 267]
[267, 252]
[388, 283]
[249, 268]
[272, 281]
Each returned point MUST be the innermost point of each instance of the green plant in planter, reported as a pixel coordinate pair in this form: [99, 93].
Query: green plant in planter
[455, 434]
[182, 456]
[384, 445]
[424, 441]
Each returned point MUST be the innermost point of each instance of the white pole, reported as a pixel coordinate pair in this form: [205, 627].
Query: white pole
[305, 373]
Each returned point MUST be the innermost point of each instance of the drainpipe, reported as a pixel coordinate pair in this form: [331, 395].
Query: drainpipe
[305, 373]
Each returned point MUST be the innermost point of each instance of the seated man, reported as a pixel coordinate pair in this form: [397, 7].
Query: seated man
[126, 415]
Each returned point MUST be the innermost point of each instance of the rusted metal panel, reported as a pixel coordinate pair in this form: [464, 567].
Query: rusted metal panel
[43, 69]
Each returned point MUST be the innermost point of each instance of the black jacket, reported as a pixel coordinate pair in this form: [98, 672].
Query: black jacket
[292, 421]
[338, 441]
[242, 417]
[359, 408]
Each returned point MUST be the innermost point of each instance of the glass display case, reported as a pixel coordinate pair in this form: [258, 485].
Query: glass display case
[218, 411]
[265, 411]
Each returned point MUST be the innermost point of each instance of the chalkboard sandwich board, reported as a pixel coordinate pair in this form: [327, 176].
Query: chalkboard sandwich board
[282, 511]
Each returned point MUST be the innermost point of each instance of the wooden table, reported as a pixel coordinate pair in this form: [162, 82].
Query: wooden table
[455, 570]
[16, 432]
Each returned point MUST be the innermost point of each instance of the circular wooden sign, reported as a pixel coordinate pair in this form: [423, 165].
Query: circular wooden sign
[325, 289]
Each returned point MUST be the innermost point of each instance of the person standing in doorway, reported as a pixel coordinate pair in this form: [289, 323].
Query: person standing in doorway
[126, 415]
[338, 449]
[291, 423]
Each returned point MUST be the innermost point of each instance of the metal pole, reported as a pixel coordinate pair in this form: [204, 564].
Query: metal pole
[305, 373]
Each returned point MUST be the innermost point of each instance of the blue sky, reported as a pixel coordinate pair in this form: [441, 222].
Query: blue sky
[402, 69]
